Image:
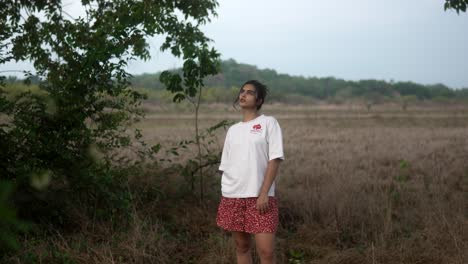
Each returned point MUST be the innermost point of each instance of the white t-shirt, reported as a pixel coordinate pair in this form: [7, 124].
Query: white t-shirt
[247, 149]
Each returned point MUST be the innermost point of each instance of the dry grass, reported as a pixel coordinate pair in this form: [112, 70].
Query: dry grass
[384, 186]
[346, 181]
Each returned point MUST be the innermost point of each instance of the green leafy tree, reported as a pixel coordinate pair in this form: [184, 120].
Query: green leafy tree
[9, 224]
[67, 135]
[457, 5]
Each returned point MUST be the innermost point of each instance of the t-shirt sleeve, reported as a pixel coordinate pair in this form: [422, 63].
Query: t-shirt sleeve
[225, 153]
[275, 141]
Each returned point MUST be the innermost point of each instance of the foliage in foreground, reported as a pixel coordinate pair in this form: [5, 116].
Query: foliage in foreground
[59, 144]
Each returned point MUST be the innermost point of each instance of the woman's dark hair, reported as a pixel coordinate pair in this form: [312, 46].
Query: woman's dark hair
[261, 92]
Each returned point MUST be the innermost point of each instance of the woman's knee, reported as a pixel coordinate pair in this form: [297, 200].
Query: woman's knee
[242, 243]
[265, 245]
[242, 249]
[266, 253]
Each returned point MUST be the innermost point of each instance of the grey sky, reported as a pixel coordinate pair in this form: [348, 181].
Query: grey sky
[361, 39]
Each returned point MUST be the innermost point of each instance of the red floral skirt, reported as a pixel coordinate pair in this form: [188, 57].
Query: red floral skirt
[241, 214]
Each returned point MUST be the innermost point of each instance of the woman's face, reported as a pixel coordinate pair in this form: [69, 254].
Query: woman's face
[248, 97]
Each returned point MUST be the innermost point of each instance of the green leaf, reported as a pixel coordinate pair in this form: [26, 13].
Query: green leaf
[156, 148]
[178, 97]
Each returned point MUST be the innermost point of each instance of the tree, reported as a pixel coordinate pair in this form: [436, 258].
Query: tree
[457, 5]
[65, 136]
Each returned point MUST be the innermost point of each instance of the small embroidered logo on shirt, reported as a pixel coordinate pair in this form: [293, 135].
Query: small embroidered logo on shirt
[256, 128]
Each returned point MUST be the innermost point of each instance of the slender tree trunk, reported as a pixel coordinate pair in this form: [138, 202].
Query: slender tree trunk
[200, 168]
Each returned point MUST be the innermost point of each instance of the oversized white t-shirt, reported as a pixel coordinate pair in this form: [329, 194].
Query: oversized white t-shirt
[247, 149]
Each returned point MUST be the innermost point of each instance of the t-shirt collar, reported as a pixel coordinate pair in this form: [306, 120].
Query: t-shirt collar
[246, 122]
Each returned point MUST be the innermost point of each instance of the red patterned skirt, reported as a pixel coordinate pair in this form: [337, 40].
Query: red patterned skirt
[241, 214]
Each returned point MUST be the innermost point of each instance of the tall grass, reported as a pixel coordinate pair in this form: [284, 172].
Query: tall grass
[356, 187]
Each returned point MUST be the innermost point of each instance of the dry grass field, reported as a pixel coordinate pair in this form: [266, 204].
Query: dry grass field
[385, 186]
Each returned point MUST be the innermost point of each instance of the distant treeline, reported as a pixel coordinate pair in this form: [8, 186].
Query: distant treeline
[287, 87]
[297, 89]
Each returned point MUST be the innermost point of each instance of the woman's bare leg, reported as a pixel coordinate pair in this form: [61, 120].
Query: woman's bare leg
[242, 240]
[266, 247]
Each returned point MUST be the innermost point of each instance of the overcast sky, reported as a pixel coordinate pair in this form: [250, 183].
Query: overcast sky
[362, 39]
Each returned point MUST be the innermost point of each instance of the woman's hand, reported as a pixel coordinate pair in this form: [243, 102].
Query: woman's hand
[262, 204]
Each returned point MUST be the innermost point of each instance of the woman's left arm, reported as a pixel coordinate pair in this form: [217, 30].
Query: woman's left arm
[270, 175]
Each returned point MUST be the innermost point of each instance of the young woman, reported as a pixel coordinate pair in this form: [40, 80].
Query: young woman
[252, 152]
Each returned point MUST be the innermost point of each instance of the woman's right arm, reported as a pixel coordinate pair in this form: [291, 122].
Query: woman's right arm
[225, 154]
